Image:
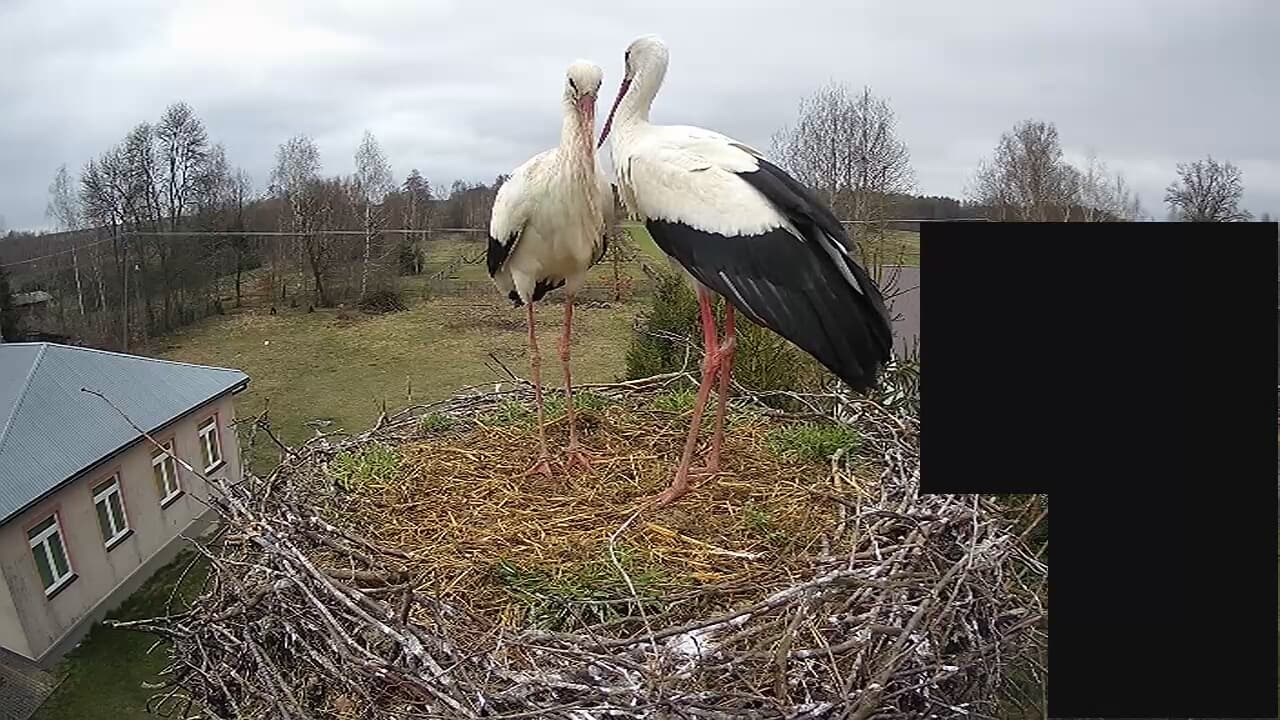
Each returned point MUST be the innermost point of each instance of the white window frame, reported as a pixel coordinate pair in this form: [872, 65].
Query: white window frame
[41, 543]
[210, 443]
[168, 463]
[119, 525]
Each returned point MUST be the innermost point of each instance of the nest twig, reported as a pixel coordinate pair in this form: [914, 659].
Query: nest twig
[331, 600]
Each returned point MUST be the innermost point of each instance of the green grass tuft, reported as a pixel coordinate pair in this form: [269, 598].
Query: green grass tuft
[677, 401]
[374, 464]
[811, 442]
[590, 402]
[509, 413]
[761, 523]
[562, 597]
[434, 423]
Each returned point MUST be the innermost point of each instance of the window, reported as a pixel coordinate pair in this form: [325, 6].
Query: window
[50, 555]
[165, 469]
[210, 445]
[110, 506]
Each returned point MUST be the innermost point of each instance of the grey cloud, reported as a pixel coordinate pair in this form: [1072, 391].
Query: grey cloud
[467, 90]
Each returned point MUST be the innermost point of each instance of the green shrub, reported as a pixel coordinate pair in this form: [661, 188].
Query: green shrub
[590, 402]
[673, 311]
[676, 401]
[764, 361]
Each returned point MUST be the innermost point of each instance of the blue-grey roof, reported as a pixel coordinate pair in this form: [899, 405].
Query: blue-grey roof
[50, 430]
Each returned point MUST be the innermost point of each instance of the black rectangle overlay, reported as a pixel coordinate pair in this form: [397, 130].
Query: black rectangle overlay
[1128, 370]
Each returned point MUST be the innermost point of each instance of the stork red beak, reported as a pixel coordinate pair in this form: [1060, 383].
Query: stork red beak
[608, 123]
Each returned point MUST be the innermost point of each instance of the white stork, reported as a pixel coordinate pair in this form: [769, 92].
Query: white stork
[741, 227]
[548, 229]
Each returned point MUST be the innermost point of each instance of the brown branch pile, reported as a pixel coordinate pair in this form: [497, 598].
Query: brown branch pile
[441, 584]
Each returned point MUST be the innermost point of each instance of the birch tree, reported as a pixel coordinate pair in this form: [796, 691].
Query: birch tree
[64, 210]
[1027, 178]
[371, 184]
[845, 146]
[296, 180]
[1105, 196]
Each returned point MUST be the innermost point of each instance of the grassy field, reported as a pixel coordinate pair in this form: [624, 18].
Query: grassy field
[319, 366]
[102, 678]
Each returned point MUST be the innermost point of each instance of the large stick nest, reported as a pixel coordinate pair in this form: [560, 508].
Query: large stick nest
[412, 571]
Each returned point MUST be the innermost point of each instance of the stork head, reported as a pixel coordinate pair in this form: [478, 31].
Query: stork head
[581, 85]
[646, 63]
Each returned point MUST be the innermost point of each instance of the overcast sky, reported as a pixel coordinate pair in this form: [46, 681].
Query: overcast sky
[470, 90]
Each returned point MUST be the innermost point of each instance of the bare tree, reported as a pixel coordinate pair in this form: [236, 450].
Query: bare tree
[104, 189]
[239, 193]
[1104, 196]
[371, 184]
[1027, 178]
[845, 146]
[64, 210]
[9, 327]
[1207, 191]
[294, 180]
[184, 154]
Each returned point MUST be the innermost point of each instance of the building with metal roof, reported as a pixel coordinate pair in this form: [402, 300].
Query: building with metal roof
[89, 507]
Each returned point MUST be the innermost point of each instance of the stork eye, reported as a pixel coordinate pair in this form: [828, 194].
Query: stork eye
[573, 85]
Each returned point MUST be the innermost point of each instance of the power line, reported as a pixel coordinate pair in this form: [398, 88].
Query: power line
[238, 233]
[56, 254]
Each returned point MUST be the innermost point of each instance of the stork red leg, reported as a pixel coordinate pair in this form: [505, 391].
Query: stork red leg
[726, 367]
[575, 452]
[543, 465]
[710, 366]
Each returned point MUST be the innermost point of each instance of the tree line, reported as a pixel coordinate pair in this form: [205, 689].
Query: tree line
[158, 230]
[844, 144]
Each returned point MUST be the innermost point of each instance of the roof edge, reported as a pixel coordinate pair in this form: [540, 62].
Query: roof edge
[22, 393]
[145, 357]
[108, 456]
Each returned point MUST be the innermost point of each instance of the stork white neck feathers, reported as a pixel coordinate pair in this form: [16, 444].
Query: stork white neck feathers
[582, 84]
[646, 67]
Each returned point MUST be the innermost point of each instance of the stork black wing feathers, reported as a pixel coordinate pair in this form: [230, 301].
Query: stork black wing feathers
[497, 253]
[811, 216]
[791, 287]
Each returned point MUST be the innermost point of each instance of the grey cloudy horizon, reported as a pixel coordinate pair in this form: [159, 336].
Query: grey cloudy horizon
[470, 90]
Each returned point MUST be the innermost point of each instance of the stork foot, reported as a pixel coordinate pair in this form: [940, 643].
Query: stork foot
[709, 469]
[577, 455]
[671, 494]
[543, 465]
